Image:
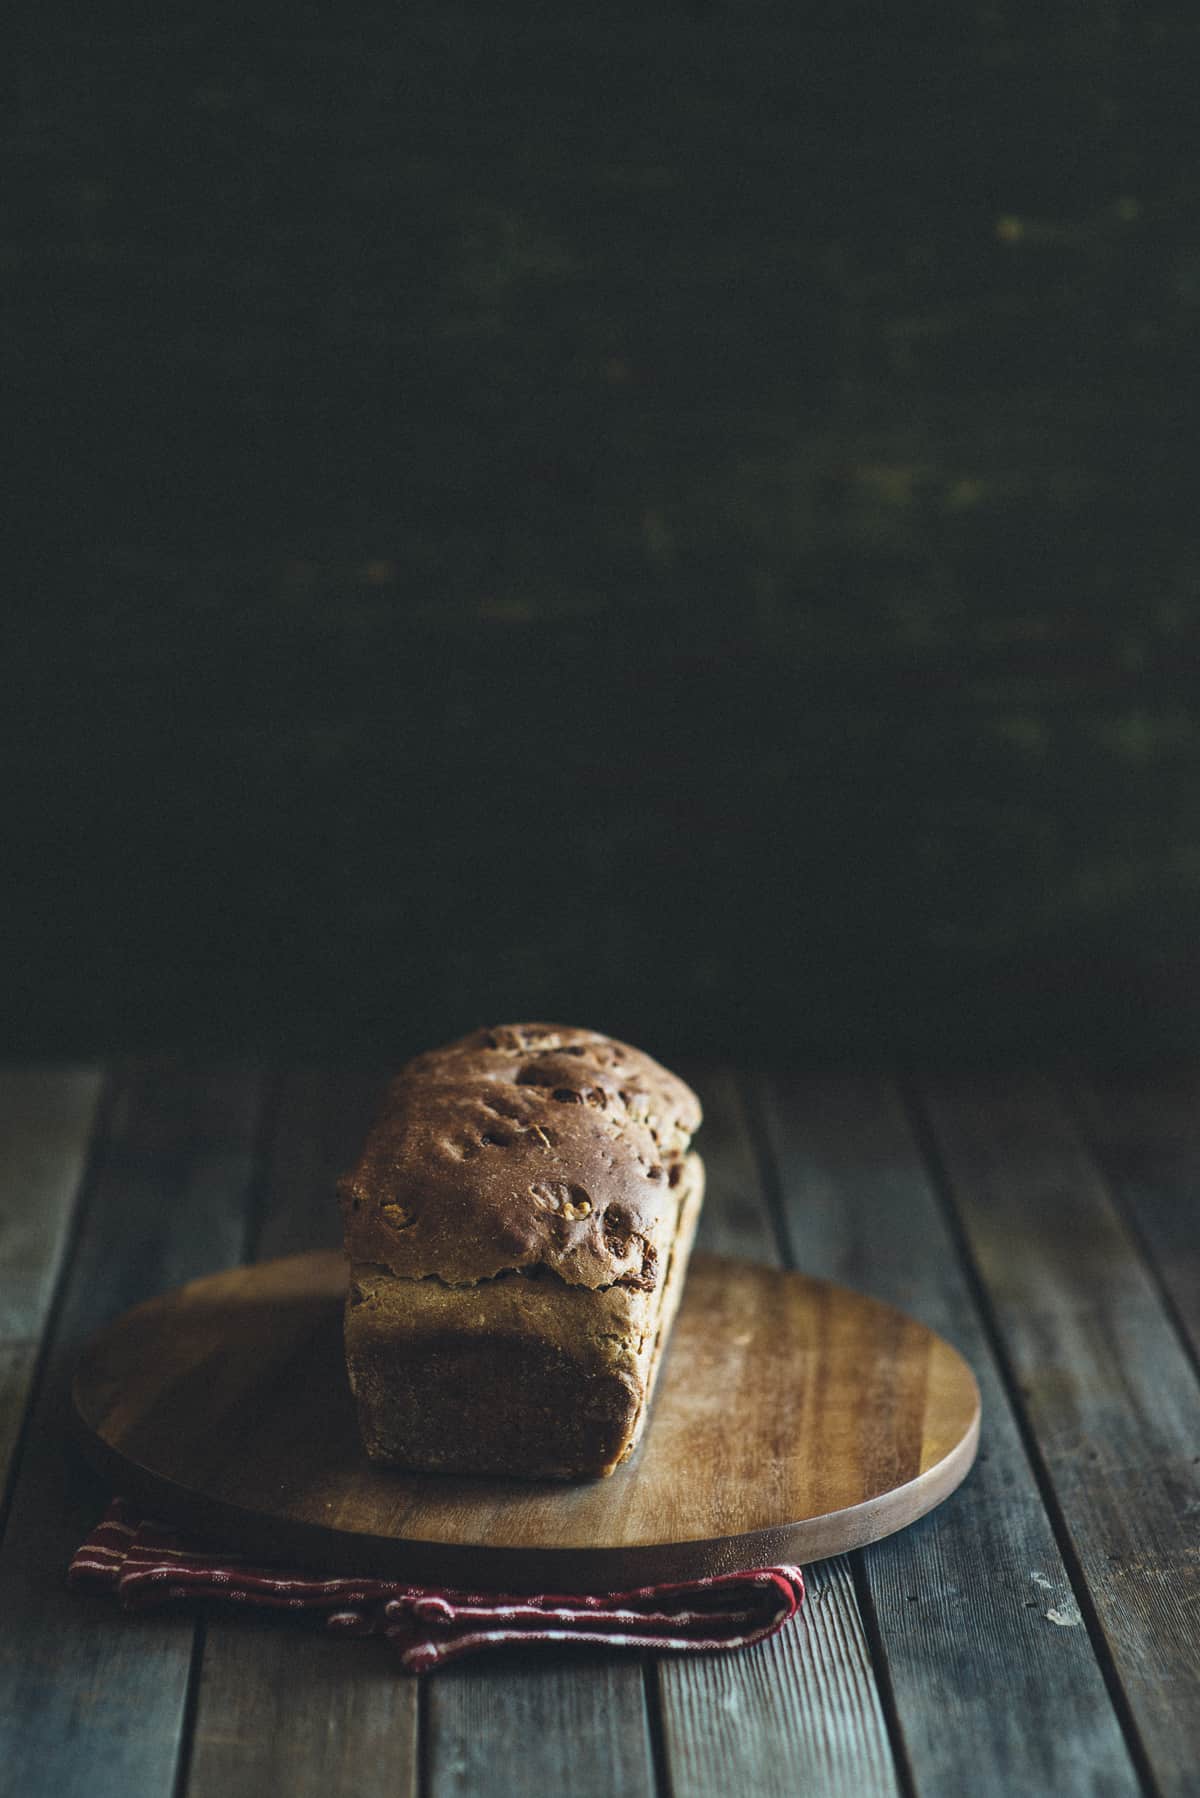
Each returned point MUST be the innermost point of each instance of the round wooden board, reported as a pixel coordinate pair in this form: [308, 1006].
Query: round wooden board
[793, 1420]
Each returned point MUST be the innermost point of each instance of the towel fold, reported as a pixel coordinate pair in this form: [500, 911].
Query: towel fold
[147, 1563]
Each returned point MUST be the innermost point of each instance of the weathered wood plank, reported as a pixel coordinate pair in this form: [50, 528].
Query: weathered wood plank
[92, 1702]
[1144, 1131]
[989, 1695]
[801, 1712]
[281, 1709]
[798, 1714]
[533, 1720]
[46, 1122]
[1106, 1384]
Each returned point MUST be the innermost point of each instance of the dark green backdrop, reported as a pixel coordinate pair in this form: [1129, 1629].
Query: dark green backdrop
[682, 518]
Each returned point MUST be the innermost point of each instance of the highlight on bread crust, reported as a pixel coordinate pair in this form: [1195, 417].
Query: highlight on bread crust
[518, 1227]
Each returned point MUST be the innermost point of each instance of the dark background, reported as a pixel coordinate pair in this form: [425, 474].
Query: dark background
[676, 518]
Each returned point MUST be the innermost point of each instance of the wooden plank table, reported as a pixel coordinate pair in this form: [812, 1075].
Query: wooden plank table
[1038, 1634]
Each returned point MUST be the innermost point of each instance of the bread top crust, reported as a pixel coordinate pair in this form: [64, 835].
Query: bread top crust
[526, 1145]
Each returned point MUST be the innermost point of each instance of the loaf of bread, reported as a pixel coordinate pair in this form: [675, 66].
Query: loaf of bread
[518, 1228]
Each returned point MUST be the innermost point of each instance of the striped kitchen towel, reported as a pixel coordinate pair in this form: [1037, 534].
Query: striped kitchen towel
[146, 1563]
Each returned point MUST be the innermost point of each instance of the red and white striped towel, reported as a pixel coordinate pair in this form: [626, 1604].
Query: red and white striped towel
[147, 1564]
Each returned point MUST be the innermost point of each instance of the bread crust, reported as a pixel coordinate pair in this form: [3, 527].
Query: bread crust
[519, 1147]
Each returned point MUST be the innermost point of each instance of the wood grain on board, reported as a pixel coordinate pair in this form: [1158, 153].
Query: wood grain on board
[794, 1420]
